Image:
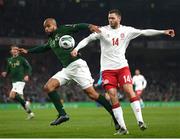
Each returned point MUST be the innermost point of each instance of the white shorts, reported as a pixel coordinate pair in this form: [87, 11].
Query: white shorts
[18, 87]
[77, 71]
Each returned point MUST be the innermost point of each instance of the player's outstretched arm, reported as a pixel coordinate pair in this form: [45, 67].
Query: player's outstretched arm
[36, 49]
[153, 32]
[84, 42]
[94, 28]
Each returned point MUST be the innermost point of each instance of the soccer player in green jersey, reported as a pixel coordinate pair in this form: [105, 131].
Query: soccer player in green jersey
[19, 70]
[74, 68]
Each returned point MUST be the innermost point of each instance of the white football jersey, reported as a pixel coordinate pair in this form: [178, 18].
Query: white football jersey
[113, 45]
[140, 82]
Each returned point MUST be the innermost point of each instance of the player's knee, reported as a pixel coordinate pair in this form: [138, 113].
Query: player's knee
[112, 94]
[47, 88]
[12, 95]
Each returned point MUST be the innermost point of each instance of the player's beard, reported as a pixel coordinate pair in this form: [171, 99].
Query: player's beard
[49, 34]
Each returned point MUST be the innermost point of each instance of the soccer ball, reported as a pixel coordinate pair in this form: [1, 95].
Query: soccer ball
[67, 42]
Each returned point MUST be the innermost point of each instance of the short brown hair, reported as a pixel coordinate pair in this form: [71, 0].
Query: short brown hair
[116, 11]
[13, 45]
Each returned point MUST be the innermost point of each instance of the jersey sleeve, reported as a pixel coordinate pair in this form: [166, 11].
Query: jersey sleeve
[73, 28]
[27, 67]
[144, 82]
[7, 67]
[133, 33]
[39, 48]
[85, 41]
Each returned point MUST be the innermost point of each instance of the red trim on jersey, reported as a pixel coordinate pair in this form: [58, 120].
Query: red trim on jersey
[133, 99]
[115, 106]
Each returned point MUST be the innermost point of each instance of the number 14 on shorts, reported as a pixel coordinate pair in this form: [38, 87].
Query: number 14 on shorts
[127, 78]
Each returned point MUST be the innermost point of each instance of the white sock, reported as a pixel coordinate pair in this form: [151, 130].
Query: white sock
[141, 102]
[118, 113]
[137, 110]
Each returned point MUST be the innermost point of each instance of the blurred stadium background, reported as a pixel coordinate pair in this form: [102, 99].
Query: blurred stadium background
[157, 57]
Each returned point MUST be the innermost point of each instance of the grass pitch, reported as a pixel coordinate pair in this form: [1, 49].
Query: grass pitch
[90, 122]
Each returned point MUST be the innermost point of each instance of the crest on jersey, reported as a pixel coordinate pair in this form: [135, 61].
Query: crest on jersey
[122, 35]
[106, 81]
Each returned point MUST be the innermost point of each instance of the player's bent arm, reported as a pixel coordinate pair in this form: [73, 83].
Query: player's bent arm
[27, 67]
[39, 49]
[73, 27]
[78, 27]
[144, 83]
[4, 74]
[7, 69]
[85, 41]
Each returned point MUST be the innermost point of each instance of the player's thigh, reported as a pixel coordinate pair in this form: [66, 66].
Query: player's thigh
[60, 78]
[124, 77]
[12, 94]
[18, 87]
[125, 81]
[109, 79]
[81, 74]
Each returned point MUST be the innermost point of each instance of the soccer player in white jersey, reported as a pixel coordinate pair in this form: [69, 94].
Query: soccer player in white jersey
[114, 39]
[139, 83]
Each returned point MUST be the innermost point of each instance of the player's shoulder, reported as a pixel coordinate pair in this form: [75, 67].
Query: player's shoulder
[106, 27]
[9, 59]
[127, 27]
[142, 76]
[21, 57]
[68, 25]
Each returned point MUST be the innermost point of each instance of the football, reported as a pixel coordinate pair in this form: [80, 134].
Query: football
[67, 42]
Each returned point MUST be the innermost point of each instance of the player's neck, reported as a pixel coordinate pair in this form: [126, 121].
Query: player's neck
[15, 56]
[115, 27]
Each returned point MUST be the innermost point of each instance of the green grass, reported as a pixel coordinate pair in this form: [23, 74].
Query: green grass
[88, 122]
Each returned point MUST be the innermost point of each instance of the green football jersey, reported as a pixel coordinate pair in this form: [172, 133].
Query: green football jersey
[62, 54]
[17, 68]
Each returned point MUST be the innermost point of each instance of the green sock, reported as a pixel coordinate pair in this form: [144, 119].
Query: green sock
[19, 99]
[55, 98]
[103, 101]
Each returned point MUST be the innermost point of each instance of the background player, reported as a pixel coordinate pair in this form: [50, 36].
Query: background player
[74, 68]
[139, 83]
[114, 39]
[19, 70]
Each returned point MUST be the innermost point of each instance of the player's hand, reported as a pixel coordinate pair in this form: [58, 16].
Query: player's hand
[94, 28]
[26, 78]
[95, 85]
[170, 32]
[22, 50]
[3, 74]
[74, 53]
